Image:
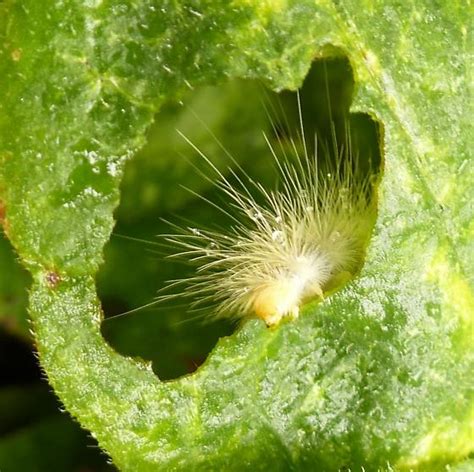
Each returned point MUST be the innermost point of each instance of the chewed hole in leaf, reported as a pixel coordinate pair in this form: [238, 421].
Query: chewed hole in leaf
[237, 115]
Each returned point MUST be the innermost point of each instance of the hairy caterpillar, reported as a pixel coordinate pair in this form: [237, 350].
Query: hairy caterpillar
[284, 247]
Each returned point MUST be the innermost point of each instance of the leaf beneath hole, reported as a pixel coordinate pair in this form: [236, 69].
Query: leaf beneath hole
[13, 296]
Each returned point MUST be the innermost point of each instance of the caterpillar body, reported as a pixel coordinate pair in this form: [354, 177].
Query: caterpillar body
[286, 246]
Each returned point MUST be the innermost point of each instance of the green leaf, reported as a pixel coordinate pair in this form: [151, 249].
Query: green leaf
[376, 375]
[13, 297]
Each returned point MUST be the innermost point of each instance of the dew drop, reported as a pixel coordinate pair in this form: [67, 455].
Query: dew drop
[256, 216]
[112, 168]
[210, 248]
[462, 166]
[277, 235]
[335, 236]
[195, 13]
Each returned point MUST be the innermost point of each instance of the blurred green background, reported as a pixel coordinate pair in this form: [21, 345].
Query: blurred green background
[34, 434]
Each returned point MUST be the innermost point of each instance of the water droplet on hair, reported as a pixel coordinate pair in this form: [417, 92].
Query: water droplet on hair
[210, 248]
[335, 236]
[277, 235]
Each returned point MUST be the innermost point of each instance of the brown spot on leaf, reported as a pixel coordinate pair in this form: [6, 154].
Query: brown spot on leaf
[3, 218]
[16, 54]
[53, 279]
[5, 155]
[3, 211]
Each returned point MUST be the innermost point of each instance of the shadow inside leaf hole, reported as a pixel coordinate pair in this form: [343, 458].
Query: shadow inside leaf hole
[235, 115]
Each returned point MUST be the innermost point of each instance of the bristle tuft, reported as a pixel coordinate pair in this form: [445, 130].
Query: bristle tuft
[285, 247]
